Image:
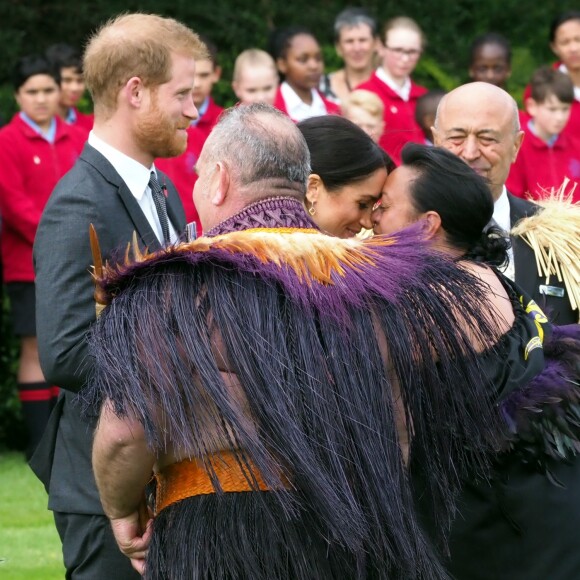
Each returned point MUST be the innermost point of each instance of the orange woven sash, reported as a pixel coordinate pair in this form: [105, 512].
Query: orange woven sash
[189, 478]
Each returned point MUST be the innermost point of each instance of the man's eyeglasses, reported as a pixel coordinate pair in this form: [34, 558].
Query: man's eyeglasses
[410, 52]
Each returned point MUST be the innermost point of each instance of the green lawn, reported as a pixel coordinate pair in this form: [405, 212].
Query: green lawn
[29, 544]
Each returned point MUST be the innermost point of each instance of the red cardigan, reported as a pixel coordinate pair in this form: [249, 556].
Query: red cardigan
[539, 167]
[180, 169]
[30, 167]
[209, 118]
[399, 116]
[84, 121]
[331, 108]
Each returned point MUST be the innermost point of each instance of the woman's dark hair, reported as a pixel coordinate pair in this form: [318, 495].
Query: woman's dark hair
[561, 19]
[462, 198]
[341, 152]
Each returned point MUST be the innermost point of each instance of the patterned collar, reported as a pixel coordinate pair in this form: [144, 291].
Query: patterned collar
[273, 212]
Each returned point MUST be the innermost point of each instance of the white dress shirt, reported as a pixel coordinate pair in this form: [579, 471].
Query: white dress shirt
[501, 216]
[297, 109]
[136, 177]
[403, 91]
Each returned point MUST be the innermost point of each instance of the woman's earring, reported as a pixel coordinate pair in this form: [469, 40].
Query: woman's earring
[311, 209]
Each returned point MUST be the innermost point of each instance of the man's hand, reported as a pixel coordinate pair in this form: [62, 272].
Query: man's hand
[133, 538]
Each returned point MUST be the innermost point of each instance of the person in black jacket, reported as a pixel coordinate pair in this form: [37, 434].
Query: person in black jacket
[479, 122]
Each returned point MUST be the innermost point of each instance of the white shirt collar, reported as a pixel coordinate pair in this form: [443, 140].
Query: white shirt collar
[501, 211]
[501, 216]
[403, 91]
[135, 175]
[297, 108]
[562, 68]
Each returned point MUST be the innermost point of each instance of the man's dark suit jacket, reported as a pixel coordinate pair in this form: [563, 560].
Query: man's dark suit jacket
[557, 309]
[92, 192]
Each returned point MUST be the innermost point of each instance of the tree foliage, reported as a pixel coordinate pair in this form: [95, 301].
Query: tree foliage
[234, 25]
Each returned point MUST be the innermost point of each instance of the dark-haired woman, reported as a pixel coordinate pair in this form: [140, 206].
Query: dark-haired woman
[348, 173]
[522, 522]
[300, 64]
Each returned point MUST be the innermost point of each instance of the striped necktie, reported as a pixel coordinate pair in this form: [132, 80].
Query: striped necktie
[160, 206]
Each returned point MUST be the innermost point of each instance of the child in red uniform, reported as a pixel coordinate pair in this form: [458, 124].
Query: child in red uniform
[425, 113]
[547, 154]
[491, 62]
[255, 78]
[366, 110]
[299, 61]
[68, 63]
[403, 44]
[181, 169]
[565, 43]
[36, 149]
[491, 59]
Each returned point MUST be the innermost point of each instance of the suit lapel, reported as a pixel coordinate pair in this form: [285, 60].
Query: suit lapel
[524, 258]
[142, 227]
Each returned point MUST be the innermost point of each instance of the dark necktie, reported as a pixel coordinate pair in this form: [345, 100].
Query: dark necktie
[160, 206]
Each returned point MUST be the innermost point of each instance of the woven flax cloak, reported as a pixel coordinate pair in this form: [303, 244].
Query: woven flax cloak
[301, 318]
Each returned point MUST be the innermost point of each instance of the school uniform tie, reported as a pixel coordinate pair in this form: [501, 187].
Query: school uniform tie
[160, 206]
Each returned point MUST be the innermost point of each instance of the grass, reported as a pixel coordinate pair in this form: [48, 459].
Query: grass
[29, 544]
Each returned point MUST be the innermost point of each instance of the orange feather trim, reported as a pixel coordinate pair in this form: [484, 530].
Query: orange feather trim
[314, 257]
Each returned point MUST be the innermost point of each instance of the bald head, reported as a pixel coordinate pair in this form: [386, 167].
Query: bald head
[479, 122]
[481, 94]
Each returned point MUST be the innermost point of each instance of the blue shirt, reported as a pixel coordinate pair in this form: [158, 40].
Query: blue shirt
[49, 135]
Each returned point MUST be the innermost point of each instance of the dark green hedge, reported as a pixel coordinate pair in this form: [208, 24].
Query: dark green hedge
[12, 432]
[237, 24]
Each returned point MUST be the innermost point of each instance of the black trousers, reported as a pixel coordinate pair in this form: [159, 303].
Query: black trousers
[89, 549]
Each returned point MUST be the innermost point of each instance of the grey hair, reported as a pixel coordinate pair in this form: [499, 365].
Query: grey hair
[351, 17]
[258, 142]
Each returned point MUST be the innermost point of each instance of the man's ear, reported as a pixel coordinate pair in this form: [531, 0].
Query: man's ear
[437, 137]
[134, 91]
[431, 224]
[222, 177]
[517, 144]
[313, 189]
[217, 73]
